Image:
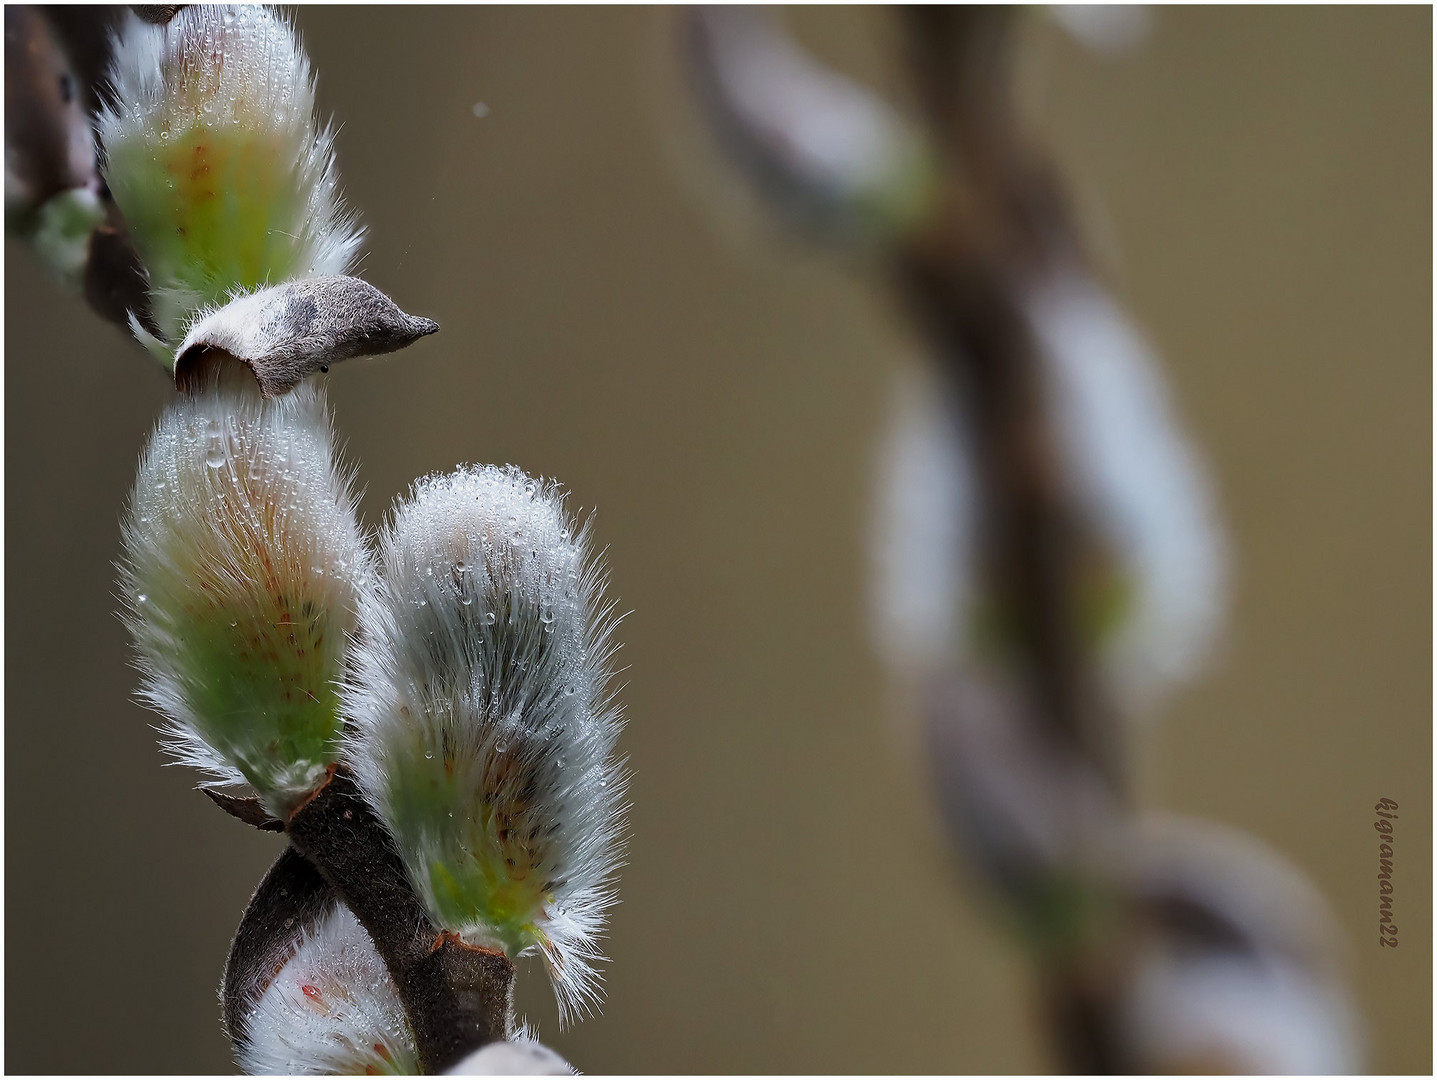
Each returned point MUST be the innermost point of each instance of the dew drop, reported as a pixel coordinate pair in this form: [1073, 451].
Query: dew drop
[466, 600]
[488, 618]
[140, 598]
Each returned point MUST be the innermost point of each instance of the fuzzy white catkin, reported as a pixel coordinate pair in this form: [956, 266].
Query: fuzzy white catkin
[242, 566]
[214, 156]
[1141, 479]
[922, 530]
[332, 1010]
[482, 724]
[1279, 1004]
[1188, 1013]
[833, 155]
[520, 1056]
[1138, 483]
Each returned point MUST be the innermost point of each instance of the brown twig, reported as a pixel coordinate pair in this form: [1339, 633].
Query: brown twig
[57, 61]
[457, 997]
[1000, 225]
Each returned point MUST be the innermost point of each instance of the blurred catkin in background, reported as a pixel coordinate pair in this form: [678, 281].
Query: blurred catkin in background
[1264, 179]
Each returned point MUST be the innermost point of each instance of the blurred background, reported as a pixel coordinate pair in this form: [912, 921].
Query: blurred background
[1257, 185]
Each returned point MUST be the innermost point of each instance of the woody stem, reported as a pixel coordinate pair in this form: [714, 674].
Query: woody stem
[457, 997]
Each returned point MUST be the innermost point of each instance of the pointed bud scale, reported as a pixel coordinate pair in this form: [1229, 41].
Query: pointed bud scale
[215, 159]
[332, 1010]
[289, 332]
[243, 560]
[482, 727]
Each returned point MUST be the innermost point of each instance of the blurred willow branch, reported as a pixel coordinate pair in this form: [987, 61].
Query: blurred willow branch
[56, 63]
[999, 223]
[1141, 968]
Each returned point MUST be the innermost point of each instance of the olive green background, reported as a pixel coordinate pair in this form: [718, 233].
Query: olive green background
[1258, 182]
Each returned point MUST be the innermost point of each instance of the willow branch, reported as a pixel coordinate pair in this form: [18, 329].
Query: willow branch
[57, 61]
[1000, 226]
[456, 997]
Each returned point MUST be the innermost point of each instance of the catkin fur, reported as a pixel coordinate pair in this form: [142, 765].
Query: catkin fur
[332, 1010]
[482, 726]
[242, 565]
[1138, 483]
[1141, 479]
[214, 157]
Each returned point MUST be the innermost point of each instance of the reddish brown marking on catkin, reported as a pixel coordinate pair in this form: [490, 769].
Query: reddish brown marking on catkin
[311, 992]
[328, 776]
[449, 937]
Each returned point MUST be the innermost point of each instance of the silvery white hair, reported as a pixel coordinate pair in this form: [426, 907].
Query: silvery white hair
[331, 1010]
[1137, 480]
[214, 157]
[483, 725]
[242, 565]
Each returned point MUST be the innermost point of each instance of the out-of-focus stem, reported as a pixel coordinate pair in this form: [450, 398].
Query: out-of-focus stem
[1000, 224]
[56, 77]
[997, 226]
